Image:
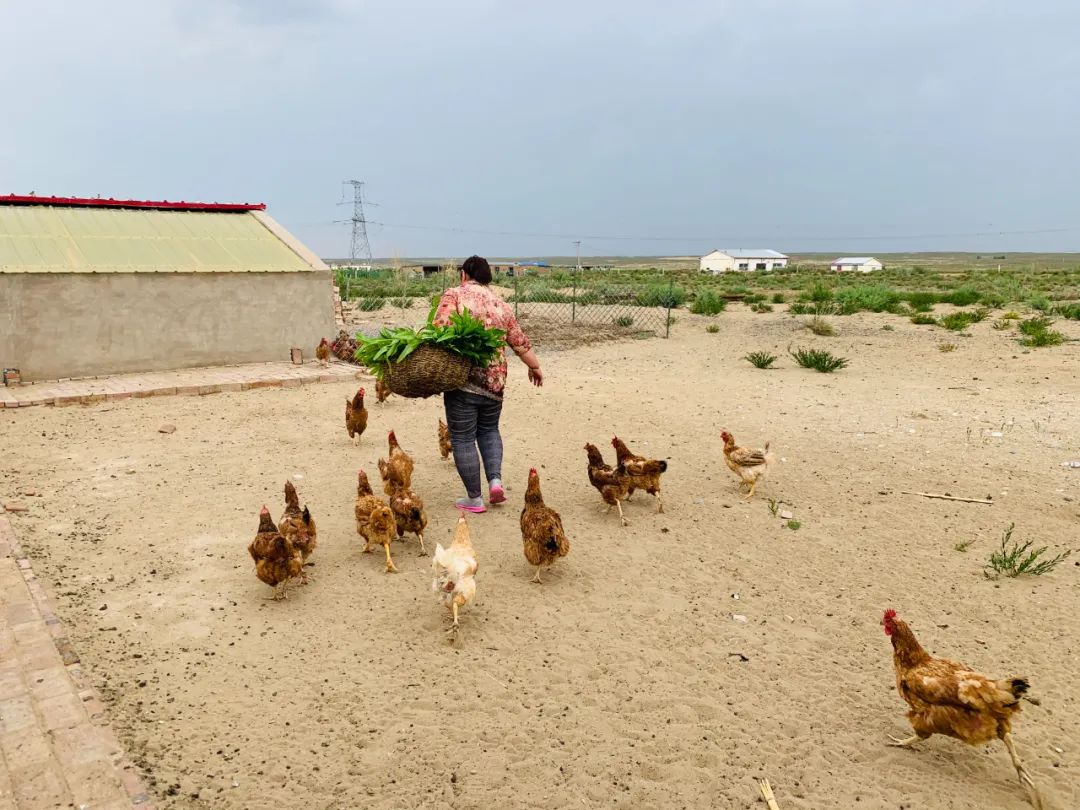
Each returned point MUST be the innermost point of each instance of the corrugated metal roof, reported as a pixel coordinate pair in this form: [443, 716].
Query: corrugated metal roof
[755, 253]
[60, 239]
[855, 260]
[102, 202]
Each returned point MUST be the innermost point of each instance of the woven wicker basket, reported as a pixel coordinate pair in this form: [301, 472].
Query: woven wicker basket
[426, 372]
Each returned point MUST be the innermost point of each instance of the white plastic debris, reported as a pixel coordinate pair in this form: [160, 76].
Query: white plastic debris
[1074, 465]
[997, 434]
[739, 618]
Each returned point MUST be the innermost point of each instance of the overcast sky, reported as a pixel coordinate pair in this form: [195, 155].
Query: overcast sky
[684, 125]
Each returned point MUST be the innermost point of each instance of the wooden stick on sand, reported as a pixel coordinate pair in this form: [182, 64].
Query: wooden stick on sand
[767, 794]
[945, 497]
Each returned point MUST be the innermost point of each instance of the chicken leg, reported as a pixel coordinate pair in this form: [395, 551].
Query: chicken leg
[390, 567]
[753, 487]
[622, 517]
[1022, 772]
[660, 503]
[423, 551]
[454, 626]
[281, 591]
[536, 579]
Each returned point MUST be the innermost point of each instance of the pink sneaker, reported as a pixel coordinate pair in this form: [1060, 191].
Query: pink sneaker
[469, 505]
[497, 494]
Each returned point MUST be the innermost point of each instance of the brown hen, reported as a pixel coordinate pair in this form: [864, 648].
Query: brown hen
[749, 464]
[949, 698]
[542, 534]
[642, 473]
[612, 484]
[356, 415]
[277, 561]
[445, 447]
[374, 520]
[298, 527]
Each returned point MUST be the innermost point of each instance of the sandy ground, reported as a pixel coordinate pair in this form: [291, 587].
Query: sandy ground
[625, 680]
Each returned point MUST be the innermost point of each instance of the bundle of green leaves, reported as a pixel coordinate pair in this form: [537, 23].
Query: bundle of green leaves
[465, 336]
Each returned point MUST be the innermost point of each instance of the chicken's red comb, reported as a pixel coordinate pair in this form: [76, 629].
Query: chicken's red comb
[361, 392]
[532, 472]
[890, 614]
[264, 510]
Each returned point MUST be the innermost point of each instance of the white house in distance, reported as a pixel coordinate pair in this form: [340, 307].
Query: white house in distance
[855, 264]
[729, 261]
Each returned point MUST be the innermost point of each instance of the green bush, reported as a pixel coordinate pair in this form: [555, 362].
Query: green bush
[760, 359]
[867, 297]
[1015, 559]
[1037, 332]
[957, 321]
[371, 304]
[708, 303]
[818, 359]
[963, 296]
[798, 308]
[820, 326]
[760, 307]
[662, 295]
[923, 319]
[922, 301]
[778, 298]
[1041, 303]
[712, 328]
[1069, 311]
[624, 321]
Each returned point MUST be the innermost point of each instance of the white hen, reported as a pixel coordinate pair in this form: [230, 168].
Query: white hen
[455, 570]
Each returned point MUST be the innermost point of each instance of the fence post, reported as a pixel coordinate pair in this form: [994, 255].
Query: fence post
[516, 295]
[573, 299]
[670, 296]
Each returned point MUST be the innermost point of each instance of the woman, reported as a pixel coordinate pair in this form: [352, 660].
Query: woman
[472, 411]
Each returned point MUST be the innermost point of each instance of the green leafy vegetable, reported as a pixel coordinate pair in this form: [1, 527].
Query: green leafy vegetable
[465, 336]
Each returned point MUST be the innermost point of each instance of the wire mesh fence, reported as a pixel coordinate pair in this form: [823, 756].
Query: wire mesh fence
[608, 301]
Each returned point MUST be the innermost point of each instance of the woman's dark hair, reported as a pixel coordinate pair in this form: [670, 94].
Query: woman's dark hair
[478, 269]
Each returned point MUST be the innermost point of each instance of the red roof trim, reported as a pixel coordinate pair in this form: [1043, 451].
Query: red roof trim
[97, 202]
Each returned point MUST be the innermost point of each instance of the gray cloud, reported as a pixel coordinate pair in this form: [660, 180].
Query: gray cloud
[797, 125]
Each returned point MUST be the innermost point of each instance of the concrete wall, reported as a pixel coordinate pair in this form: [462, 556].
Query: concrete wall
[82, 324]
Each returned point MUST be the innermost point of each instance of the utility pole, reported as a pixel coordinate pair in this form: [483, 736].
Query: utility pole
[359, 248]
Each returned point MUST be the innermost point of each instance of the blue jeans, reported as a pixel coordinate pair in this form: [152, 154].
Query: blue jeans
[474, 422]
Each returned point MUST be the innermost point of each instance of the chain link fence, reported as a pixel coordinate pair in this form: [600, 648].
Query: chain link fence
[611, 302]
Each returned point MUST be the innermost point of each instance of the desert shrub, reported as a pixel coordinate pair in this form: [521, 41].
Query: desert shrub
[662, 295]
[708, 303]
[712, 328]
[946, 347]
[1037, 332]
[1001, 324]
[624, 321]
[798, 308]
[963, 296]
[778, 298]
[923, 319]
[760, 359]
[867, 297]
[922, 301]
[957, 321]
[1040, 303]
[1015, 559]
[818, 359]
[1069, 311]
[761, 306]
[371, 304]
[820, 326]
[1010, 316]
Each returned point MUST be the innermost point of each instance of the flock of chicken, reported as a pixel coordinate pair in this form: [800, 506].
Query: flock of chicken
[944, 697]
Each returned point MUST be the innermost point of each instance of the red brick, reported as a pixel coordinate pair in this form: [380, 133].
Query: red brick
[163, 392]
[231, 386]
[291, 383]
[119, 395]
[187, 390]
[26, 747]
[91, 399]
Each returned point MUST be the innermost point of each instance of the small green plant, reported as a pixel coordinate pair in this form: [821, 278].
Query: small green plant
[404, 302]
[708, 303]
[625, 321]
[1068, 311]
[923, 319]
[1011, 315]
[820, 326]
[712, 328]
[1001, 324]
[774, 506]
[964, 545]
[662, 295]
[1037, 332]
[957, 321]
[798, 308]
[887, 328]
[818, 359]
[1015, 559]
[753, 298]
[371, 304]
[778, 298]
[946, 347]
[980, 314]
[794, 525]
[760, 359]
[760, 307]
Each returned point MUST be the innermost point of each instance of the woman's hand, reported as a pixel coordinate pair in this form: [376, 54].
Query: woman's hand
[536, 376]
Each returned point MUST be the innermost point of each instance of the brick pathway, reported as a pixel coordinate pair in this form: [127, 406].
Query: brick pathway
[56, 748]
[189, 381]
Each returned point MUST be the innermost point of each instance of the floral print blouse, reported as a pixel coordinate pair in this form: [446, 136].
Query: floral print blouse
[493, 312]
